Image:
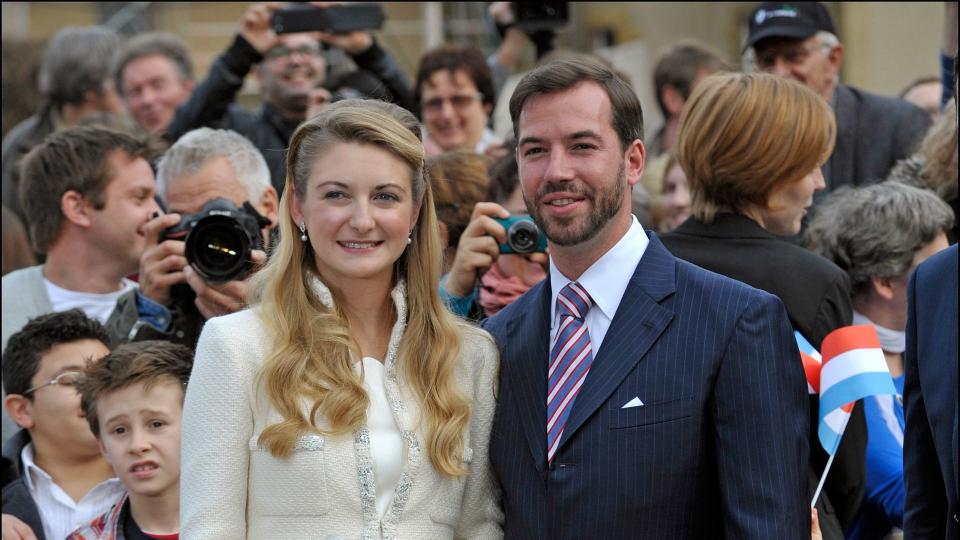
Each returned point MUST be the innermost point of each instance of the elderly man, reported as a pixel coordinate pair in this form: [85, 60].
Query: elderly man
[75, 79]
[798, 41]
[174, 299]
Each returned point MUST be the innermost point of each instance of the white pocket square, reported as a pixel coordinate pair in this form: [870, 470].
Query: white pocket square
[635, 402]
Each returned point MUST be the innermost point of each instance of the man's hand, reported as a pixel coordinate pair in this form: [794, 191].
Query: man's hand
[479, 247]
[256, 27]
[352, 42]
[223, 298]
[162, 263]
[14, 529]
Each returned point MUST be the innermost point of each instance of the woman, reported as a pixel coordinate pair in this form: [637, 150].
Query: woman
[347, 402]
[878, 234]
[459, 181]
[674, 205]
[752, 146]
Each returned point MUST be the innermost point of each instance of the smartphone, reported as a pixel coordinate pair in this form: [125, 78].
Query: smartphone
[336, 19]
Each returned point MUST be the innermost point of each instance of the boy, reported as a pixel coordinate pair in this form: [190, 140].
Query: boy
[133, 401]
[59, 480]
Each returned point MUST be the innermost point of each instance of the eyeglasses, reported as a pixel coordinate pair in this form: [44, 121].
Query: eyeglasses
[281, 51]
[459, 102]
[67, 378]
[792, 53]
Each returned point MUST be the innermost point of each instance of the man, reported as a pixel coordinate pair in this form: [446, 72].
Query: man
[930, 444]
[173, 300]
[154, 75]
[672, 404]
[87, 192]
[62, 480]
[289, 67]
[798, 41]
[75, 80]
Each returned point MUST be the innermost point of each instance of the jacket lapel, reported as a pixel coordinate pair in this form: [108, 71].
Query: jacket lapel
[636, 326]
[528, 340]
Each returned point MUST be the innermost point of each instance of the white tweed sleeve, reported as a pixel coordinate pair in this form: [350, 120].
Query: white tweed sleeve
[217, 426]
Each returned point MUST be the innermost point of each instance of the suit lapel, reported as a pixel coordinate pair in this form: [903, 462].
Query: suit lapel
[636, 326]
[528, 337]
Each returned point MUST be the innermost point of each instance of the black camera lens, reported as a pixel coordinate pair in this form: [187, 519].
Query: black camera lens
[219, 249]
[523, 236]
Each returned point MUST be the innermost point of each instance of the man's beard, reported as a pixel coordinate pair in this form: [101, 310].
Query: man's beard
[562, 231]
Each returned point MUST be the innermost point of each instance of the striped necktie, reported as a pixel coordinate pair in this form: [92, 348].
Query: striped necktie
[570, 360]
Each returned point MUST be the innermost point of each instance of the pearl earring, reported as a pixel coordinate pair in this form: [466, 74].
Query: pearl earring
[303, 232]
[409, 239]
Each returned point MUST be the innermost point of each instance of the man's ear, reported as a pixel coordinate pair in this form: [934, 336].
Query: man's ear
[20, 410]
[270, 206]
[835, 57]
[75, 208]
[634, 162]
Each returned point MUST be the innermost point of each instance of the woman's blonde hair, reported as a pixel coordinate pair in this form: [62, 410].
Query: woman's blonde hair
[311, 354]
[743, 135]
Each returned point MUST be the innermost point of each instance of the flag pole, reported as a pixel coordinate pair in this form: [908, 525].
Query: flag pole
[826, 470]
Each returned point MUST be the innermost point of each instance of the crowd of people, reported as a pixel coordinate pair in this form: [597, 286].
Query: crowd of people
[358, 311]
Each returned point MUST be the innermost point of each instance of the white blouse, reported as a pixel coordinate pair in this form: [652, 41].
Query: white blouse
[386, 444]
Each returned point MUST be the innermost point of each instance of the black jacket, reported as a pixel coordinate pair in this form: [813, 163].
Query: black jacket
[212, 103]
[816, 294]
[16, 498]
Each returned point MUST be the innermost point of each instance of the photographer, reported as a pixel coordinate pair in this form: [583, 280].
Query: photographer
[290, 68]
[175, 297]
[482, 280]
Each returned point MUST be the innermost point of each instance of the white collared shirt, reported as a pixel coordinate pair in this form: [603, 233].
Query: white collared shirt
[60, 514]
[605, 281]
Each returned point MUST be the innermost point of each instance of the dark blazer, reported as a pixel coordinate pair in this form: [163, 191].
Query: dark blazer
[816, 294]
[16, 499]
[930, 440]
[873, 133]
[719, 447]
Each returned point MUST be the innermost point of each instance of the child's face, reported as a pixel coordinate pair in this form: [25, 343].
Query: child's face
[140, 436]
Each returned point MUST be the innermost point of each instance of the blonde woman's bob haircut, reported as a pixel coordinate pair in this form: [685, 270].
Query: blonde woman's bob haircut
[743, 135]
[313, 350]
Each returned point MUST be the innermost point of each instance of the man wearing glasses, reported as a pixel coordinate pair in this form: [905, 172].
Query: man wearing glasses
[290, 69]
[798, 41]
[57, 477]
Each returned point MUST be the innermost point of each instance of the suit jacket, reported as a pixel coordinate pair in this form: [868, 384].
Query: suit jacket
[816, 293]
[17, 500]
[719, 446]
[930, 446]
[873, 133]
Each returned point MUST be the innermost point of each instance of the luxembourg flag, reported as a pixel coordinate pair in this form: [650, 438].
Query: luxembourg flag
[853, 368]
[836, 419]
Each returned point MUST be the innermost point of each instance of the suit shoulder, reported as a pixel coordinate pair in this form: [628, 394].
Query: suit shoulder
[717, 288]
[894, 108]
[21, 276]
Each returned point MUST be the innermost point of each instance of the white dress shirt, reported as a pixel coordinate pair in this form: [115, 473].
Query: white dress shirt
[605, 281]
[386, 444]
[60, 514]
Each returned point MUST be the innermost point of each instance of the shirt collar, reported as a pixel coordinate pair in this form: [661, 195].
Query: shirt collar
[29, 468]
[605, 281]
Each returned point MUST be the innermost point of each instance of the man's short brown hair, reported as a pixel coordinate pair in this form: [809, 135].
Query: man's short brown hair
[565, 73]
[76, 159]
[147, 362]
[743, 135]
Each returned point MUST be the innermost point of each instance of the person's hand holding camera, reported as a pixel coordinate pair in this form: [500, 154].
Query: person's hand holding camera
[352, 42]
[257, 28]
[220, 299]
[479, 247]
[162, 262]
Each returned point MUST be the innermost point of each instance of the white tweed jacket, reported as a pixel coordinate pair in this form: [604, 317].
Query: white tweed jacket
[230, 488]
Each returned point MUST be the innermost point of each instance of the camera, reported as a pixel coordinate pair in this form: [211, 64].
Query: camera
[334, 19]
[523, 235]
[219, 239]
[537, 16]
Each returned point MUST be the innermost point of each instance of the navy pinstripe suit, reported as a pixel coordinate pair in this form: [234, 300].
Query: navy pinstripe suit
[719, 447]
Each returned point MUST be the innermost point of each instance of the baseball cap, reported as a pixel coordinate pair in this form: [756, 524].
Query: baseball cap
[798, 20]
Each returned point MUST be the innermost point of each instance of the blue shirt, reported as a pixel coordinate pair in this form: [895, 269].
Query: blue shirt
[882, 507]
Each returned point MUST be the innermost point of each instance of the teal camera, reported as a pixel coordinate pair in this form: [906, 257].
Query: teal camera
[523, 235]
